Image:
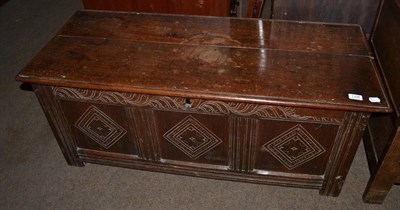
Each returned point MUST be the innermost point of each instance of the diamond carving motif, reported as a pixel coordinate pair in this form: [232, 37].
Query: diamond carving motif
[192, 137]
[99, 127]
[294, 147]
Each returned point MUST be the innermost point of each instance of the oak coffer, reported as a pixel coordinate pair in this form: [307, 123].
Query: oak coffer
[272, 102]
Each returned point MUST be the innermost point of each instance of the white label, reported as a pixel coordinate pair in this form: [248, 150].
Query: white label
[374, 99]
[355, 97]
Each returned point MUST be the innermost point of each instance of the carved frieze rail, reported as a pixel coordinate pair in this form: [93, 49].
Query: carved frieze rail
[180, 104]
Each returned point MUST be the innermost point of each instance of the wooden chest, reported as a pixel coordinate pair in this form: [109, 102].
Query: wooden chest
[238, 99]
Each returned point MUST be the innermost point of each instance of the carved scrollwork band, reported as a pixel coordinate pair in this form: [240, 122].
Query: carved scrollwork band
[108, 97]
[176, 103]
[262, 111]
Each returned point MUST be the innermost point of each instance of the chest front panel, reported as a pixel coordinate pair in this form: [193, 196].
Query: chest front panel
[217, 135]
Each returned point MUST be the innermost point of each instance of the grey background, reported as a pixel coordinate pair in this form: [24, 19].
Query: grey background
[34, 175]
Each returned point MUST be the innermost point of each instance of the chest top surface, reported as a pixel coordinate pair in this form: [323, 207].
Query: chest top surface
[244, 60]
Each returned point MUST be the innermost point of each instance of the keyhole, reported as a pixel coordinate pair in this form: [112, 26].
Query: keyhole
[188, 103]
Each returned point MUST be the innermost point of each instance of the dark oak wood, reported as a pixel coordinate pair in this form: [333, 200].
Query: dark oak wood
[58, 125]
[84, 45]
[270, 34]
[254, 9]
[193, 7]
[376, 137]
[384, 43]
[361, 12]
[383, 139]
[154, 68]
[210, 97]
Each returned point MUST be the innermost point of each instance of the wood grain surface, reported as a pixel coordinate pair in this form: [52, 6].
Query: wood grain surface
[214, 66]
[233, 32]
[193, 7]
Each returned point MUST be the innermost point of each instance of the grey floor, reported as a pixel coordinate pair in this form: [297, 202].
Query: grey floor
[34, 175]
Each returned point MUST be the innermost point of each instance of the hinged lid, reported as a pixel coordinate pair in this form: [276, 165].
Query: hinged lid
[245, 60]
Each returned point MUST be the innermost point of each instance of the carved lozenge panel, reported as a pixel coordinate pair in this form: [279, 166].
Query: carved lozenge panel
[291, 147]
[99, 127]
[193, 138]
[294, 147]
